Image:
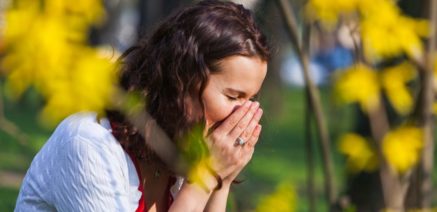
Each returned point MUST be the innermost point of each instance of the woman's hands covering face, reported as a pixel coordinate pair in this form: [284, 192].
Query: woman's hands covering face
[229, 157]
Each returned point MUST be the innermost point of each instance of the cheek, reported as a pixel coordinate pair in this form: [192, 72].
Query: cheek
[217, 110]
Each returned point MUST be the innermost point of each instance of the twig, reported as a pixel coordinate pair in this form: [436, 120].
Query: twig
[309, 155]
[426, 116]
[420, 193]
[9, 127]
[314, 96]
[154, 135]
[394, 191]
[309, 141]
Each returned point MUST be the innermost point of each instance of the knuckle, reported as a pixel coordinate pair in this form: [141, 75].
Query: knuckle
[233, 122]
[216, 137]
[226, 150]
[247, 134]
[240, 127]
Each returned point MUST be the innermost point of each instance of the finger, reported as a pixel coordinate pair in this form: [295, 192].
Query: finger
[248, 156]
[230, 122]
[244, 122]
[247, 133]
[255, 136]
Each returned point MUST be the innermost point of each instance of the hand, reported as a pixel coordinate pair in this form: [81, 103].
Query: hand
[229, 158]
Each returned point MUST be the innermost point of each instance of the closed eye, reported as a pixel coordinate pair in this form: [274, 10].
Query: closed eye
[232, 98]
[254, 98]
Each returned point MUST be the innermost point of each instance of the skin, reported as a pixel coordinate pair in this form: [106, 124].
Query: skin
[229, 114]
[238, 81]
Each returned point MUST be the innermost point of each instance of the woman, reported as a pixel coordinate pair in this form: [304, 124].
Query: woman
[203, 65]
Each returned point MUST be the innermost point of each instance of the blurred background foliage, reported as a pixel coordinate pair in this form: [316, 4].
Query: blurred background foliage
[58, 57]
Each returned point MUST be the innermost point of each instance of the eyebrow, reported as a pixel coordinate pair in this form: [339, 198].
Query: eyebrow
[240, 93]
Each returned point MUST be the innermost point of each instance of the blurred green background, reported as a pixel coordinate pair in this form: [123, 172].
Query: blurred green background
[280, 154]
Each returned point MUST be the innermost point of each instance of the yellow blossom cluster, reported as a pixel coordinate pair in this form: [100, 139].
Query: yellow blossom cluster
[385, 31]
[329, 11]
[362, 84]
[358, 83]
[283, 199]
[394, 81]
[45, 46]
[402, 147]
[360, 155]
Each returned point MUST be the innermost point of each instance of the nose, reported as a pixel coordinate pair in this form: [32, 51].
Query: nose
[239, 104]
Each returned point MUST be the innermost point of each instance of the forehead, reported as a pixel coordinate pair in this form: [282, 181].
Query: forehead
[241, 73]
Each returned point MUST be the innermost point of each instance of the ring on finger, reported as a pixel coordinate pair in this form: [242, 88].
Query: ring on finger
[240, 141]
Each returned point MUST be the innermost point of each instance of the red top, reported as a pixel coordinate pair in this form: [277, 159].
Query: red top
[142, 203]
[142, 206]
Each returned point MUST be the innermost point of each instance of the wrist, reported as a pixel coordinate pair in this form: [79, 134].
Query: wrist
[205, 178]
[227, 183]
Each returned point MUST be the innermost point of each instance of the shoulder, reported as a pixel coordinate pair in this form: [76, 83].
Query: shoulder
[80, 163]
[81, 142]
[84, 125]
[82, 138]
[80, 145]
[83, 130]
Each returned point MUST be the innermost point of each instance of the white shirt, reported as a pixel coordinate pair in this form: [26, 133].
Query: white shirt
[82, 167]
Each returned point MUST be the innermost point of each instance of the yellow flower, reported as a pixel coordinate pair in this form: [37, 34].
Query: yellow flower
[329, 11]
[89, 11]
[358, 83]
[196, 156]
[384, 8]
[360, 155]
[18, 22]
[386, 32]
[88, 87]
[283, 199]
[394, 83]
[44, 46]
[401, 147]
[199, 172]
[42, 54]
[434, 108]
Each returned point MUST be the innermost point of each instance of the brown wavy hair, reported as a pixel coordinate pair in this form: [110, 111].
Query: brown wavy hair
[172, 66]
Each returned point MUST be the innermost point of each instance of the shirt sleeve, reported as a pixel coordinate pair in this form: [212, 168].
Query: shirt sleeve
[91, 178]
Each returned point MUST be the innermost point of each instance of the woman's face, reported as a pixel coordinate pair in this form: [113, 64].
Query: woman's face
[238, 80]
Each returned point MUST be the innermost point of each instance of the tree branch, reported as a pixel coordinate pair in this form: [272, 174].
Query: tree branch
[314, 97]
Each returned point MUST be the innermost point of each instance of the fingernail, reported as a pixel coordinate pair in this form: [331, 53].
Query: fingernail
[255, 104]
[247, 103]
